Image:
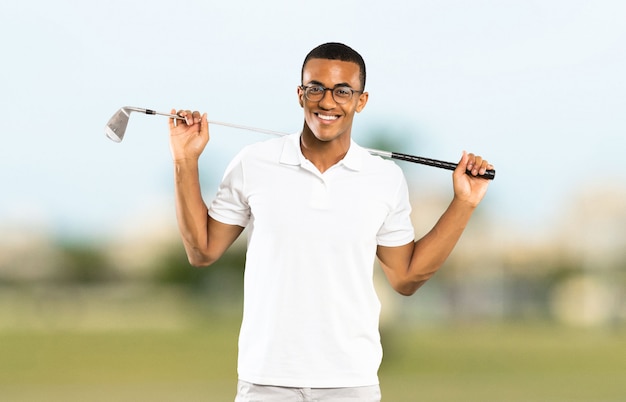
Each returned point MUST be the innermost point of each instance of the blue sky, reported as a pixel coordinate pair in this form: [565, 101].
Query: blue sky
[538, 87]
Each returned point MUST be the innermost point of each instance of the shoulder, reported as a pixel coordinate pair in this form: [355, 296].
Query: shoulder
[375, 163]
[261, 147]
[270, 149]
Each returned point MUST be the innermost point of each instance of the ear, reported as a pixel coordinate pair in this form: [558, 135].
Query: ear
[362, 101]
[301, 97]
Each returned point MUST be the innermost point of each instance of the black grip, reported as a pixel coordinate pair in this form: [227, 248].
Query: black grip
[490, 174]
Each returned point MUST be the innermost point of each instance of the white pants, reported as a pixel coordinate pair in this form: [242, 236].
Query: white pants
[247, 392]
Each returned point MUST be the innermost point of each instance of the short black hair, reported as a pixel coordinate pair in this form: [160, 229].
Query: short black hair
[337, 51]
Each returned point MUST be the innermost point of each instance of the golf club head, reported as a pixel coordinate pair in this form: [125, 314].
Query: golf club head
[116, 127]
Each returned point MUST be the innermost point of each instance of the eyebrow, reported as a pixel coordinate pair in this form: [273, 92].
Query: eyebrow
[341, 84]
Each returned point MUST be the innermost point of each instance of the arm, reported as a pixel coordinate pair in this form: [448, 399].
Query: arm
[204, 238]
[408, 267]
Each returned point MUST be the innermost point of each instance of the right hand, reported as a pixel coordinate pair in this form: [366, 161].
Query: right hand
[188, 137]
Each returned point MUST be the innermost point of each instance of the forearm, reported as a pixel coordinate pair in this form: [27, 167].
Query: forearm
[432, 250]
[191, 211]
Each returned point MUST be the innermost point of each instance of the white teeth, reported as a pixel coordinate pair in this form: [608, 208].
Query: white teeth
[324, 117]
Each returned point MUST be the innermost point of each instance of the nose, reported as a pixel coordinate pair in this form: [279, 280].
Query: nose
[327, 102]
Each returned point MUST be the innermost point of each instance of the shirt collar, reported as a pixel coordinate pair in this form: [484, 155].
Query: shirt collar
[292, 154]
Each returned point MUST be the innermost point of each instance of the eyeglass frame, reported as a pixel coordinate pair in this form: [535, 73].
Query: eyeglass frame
[332, 92]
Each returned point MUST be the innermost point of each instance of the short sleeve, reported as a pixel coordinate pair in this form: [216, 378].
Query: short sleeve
[230, 205]
[397, 229]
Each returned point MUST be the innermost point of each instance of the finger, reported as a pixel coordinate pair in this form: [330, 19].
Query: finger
[186, 115]
[483, 167]
[478, 162]
[471, 161]
[196, 116]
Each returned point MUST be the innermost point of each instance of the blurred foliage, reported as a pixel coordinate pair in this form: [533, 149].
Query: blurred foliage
[82, 264]
[223, 278]
[393, 135]
[473, 284]
[172, 267]
[575, 273]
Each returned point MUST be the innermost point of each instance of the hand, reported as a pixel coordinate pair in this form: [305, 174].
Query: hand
[469, 187]
[189, 137]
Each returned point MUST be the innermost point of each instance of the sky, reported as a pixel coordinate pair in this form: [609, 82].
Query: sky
[536, 87]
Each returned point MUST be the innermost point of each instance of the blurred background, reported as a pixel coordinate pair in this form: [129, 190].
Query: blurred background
[97, 300]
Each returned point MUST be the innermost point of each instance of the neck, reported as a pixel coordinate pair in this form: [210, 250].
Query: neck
[323, 154]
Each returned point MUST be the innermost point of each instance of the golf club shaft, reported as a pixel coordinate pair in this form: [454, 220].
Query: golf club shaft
[219, 123]
[489, 174]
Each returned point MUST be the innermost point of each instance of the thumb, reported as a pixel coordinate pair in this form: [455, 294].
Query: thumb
[172, 120]
[462, 166]
[204, 124]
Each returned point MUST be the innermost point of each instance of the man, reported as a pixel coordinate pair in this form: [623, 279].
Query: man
[319, 209]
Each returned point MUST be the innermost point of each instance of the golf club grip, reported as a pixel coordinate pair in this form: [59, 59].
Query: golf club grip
[489, 174]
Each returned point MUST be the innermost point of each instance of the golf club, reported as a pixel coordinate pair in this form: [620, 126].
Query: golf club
[116, 128]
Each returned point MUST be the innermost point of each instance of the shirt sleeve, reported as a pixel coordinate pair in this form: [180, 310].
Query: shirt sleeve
[397, 229]
[230, 205]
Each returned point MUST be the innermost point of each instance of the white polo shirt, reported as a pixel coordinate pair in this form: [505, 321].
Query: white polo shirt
[310, 309]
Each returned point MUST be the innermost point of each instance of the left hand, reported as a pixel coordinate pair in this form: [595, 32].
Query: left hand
[469, 187]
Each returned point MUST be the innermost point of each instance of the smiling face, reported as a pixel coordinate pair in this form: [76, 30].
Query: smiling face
[326, 120]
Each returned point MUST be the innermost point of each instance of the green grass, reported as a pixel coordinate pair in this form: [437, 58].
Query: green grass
[510, 363]
[457, 363]
[189, 365]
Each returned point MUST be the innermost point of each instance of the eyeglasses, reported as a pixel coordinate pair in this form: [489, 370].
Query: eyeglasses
[341, 94]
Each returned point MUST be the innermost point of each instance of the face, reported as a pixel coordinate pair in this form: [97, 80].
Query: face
[325, 119]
